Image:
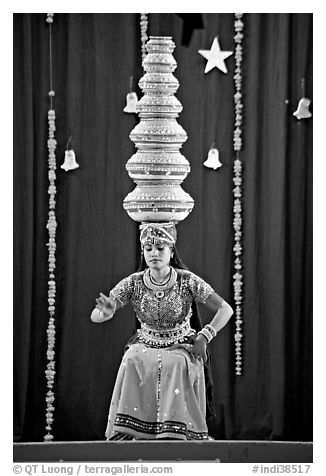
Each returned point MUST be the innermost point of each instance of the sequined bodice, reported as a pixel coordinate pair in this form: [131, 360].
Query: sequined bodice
[164, 313]
[169, 311]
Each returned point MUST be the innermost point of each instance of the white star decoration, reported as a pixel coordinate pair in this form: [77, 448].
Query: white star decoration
[215, 57]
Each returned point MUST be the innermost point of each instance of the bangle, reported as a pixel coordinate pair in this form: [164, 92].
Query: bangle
[208, 331]
[211, 330]
[206, 334]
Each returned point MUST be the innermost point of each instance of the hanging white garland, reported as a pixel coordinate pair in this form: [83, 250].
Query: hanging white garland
[143, 33]
[51, 226]
[237, 194]
[132, 98]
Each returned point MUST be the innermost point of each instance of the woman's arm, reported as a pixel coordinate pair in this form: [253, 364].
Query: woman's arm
[223, 312]
[105, 308]
[119, 296]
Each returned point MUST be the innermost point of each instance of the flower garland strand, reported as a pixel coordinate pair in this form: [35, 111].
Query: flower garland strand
[237, 193]
[143, 33]
[51, 226]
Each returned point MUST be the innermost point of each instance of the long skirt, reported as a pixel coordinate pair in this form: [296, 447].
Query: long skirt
[158, 393]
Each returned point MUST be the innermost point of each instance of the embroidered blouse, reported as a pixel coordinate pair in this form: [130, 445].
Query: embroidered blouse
[166, 320]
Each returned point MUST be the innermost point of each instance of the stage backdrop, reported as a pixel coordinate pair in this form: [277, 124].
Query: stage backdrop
[97, 243]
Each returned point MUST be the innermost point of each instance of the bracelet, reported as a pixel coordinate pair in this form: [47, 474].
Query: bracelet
[211, 330]
[206, 334]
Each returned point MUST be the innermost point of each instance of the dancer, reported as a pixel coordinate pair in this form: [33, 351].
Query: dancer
[160, 391]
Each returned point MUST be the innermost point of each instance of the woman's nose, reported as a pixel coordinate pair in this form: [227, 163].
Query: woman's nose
[154, 252]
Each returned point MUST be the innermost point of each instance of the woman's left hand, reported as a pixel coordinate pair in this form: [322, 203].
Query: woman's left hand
[199, 347]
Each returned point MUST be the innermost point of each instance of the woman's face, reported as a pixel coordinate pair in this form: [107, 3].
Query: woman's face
[157, 256]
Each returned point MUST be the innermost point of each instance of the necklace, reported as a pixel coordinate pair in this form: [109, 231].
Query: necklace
[159, 289]
[162, 283]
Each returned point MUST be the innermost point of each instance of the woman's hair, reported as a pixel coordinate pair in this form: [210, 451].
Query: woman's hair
[196, 324]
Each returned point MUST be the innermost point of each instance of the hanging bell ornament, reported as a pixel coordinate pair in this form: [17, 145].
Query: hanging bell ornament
[132, 101]
[70, 161]
[302, 111]
[213, 161]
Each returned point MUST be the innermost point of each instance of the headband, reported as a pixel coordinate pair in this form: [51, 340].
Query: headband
[158, 233]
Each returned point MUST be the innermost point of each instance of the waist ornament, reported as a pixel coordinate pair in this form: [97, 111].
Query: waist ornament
[165, 337]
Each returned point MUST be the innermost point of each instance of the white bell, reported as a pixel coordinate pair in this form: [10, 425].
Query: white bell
[213, 161]
[70, 161]
[132, 101]
[302, 111]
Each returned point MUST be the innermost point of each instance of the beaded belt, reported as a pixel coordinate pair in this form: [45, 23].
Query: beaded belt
[166, 337]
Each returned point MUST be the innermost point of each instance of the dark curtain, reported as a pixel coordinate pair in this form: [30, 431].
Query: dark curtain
[97, 243]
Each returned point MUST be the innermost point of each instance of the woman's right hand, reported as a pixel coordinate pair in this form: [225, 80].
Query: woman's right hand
[106, 305]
